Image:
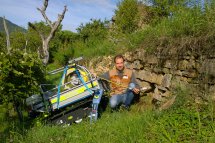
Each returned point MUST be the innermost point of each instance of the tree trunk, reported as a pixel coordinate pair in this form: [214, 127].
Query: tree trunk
[7, 36]
[44, 51]
[45, 54]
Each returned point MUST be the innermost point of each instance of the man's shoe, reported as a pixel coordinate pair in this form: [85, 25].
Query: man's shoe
[125, 107]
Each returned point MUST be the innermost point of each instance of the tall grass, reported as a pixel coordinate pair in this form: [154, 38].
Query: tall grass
[93, 48]
[185, 121]
[192, 26]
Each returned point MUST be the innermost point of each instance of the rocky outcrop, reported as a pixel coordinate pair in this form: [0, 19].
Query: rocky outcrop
[158, 75]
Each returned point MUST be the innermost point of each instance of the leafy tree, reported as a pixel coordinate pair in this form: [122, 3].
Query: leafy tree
[18, 40]
[62, 47]
[126, 16]
[93, 29]
[2, 42]
[165, 8]
[20, 75]
[34, 41]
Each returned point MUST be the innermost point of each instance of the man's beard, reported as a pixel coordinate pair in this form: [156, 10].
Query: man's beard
[120, 70]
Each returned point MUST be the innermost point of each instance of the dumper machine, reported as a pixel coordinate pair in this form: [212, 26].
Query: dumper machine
[77, 95]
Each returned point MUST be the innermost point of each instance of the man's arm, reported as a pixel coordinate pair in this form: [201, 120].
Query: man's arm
[104, 80]
[105, 75]
[137, 86]
[133, 80]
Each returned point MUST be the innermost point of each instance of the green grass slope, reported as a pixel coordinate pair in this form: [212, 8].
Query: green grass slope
[185, 121]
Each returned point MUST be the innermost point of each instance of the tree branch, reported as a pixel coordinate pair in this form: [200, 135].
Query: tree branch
[43, 12]
[45, 5]
[56, 24]
[35, 29]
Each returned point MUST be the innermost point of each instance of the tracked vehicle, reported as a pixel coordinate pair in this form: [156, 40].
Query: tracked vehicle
[78, 95]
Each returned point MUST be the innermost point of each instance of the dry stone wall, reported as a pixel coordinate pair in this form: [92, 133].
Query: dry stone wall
[158, 75]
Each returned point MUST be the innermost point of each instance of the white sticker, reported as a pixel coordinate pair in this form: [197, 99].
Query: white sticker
[125, 77]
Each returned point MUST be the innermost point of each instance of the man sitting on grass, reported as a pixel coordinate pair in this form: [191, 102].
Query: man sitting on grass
[123, 84]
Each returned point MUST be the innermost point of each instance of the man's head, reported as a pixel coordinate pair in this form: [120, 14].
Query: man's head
[119, 62]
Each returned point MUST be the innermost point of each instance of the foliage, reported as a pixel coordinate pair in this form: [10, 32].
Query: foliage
[62, 47]
[33, 39]
[185, 121]
[18, 40]
[182, 124]
[20, 75]
[126, 19]
[2, 42]
[41, 26]
[164, 8]
[93, 48]
[95, 29]
[187, 25]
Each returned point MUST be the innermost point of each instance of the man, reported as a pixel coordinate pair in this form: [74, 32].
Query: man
[123, 84]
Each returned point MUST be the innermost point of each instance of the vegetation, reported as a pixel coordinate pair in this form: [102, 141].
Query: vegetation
[186, 121]
[182, 25]
[127, 16]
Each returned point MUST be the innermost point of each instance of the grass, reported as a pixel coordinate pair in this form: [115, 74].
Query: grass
[185, 121]
[181, 126]
[187, 28]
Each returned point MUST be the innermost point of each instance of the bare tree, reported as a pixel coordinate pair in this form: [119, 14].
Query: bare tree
[44, 51]
[7, 36]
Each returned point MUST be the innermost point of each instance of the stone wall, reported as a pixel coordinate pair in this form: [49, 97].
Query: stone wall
[158, 75]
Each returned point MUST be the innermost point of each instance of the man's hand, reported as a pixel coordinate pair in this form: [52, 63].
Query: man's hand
[93, 72]
[136, 90]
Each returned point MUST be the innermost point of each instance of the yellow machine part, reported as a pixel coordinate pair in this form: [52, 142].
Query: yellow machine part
[66, 79]
[74, 92]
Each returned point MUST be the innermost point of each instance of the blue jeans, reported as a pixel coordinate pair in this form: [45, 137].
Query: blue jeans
[125, 99]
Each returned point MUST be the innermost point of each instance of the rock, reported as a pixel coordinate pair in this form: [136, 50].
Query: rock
[151, 59]
[166, 82]
[167, 104]
[177, 72]
[145, 86]
[128, 56]
[157, 95]
[163, 89]
[208, 67]
[137, 65]
[212, 92]
[189, 74]
[192, 64]
[166, 70]
[166, 94]
[129, 65]
[169, 64]
[157, 70]
[184, 79]
[134, 65]
[149, 77]
[140, 54]
[182, 65]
